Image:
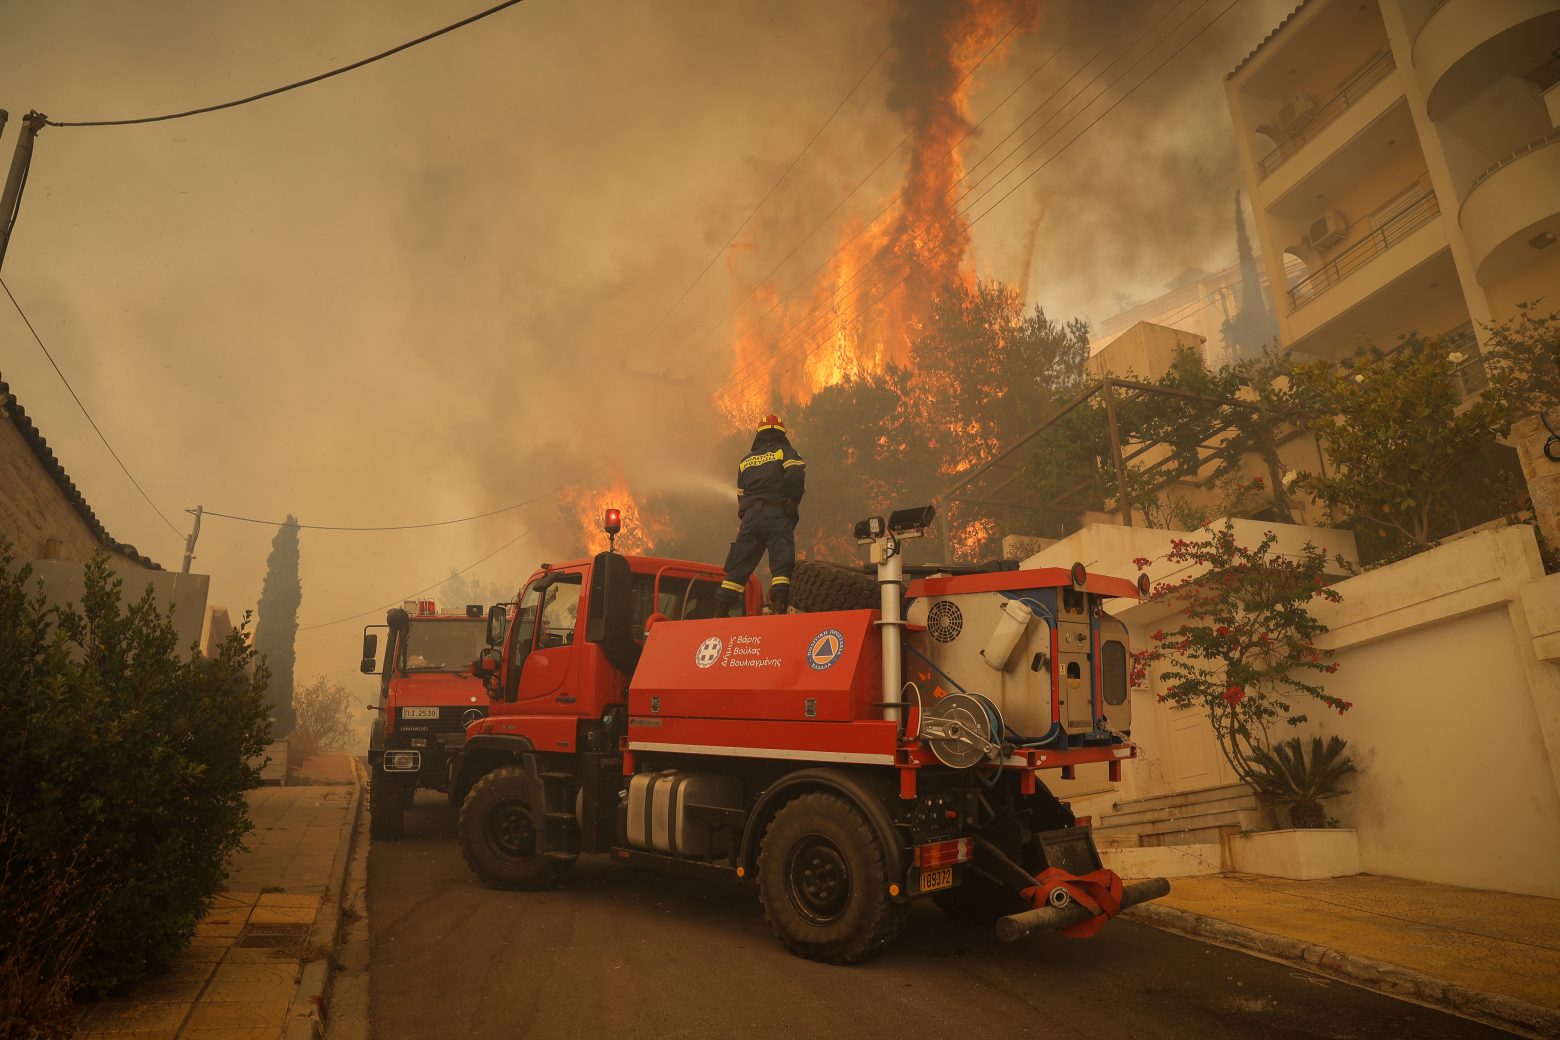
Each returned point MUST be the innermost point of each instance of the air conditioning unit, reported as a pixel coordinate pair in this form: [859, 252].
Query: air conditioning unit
[1295, 112]
[1327, 230]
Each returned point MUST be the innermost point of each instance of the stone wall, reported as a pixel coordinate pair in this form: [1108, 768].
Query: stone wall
[37, 518]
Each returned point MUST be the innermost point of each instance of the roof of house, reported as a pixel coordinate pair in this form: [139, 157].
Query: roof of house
[1268, 38]
[12, 408]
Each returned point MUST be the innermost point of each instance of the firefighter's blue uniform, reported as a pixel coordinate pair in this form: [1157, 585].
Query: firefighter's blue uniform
[771, 481]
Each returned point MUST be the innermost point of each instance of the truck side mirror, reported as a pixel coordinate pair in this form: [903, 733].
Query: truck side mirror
[498, 624]
[486, 668]
[370, 651]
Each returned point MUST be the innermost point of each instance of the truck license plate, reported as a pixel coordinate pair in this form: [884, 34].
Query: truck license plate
[932, 880]
[419, 713]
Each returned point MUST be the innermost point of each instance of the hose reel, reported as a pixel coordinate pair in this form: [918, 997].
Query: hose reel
[963, 730]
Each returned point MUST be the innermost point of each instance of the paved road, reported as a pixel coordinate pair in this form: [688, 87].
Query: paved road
[623, 953]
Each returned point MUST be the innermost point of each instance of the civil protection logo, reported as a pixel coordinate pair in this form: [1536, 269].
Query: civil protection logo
[708, 652]
[826, 648]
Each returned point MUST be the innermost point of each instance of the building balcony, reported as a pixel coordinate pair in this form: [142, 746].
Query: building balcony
[1414, 214]
[1512, 209]
[1305, 126]
[1470, 376]
[1465, 45]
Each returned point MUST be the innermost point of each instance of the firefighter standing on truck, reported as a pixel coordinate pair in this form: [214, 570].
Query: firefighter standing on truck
[771, 480]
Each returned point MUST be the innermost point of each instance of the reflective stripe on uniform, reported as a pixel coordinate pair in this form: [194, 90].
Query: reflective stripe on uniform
[758, 460]
[788, 463]
[730, 586]
[781, 581]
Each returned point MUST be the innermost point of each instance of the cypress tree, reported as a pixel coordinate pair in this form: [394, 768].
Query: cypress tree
[1251, 329]
[276, 629]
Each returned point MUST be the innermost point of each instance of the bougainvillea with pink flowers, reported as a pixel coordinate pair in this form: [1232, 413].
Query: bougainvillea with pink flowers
[1245, 652]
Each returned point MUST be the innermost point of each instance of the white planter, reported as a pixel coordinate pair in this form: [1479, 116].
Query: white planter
[1302, 855]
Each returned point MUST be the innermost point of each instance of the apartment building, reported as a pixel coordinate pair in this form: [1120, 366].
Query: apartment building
[1406, 154]
[1403, 158]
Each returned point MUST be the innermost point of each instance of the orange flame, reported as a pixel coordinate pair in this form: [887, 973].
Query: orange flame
[863, 312]
[585, 509]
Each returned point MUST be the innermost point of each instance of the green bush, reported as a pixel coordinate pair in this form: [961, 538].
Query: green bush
[124, 761]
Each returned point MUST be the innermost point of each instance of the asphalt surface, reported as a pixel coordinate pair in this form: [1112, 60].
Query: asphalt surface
[620, 951]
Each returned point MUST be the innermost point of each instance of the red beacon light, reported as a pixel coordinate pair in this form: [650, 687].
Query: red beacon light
[612, 523]
[1144, 585]
[1080, 576]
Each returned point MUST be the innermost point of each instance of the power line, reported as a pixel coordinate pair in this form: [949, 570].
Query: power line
[39, 340]
[403, 527]
[419, 592]
[300, 83]
[1153, 72]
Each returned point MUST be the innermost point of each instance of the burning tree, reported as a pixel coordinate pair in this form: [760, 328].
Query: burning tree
[881, 284]
[981, 371]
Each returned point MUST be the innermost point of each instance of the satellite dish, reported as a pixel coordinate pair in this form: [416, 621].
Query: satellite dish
[963, 730]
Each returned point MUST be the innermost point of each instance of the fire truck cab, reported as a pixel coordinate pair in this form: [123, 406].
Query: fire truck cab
[427, 697]
[846, 762]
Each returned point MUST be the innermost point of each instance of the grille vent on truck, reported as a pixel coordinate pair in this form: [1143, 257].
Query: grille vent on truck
[1113, 671]
[944, 621]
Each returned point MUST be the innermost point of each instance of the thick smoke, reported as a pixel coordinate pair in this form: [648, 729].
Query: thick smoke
[428, 289]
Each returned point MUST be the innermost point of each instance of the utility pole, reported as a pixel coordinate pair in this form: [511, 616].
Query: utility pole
[16, 180]
[189, 542]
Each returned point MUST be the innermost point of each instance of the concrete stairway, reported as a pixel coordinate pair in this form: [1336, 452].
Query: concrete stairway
[1184, 818]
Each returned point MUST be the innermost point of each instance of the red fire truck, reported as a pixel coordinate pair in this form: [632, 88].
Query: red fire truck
[427, 697]
[846, 761]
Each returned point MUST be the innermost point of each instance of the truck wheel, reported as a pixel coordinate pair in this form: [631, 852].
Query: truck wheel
[387, 800]
[819, 586]
[501, 832]
[824, 884]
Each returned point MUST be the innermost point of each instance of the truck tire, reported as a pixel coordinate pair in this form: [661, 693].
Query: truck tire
[823, 881]
[387, 800]
[819, 586]
[500, 830]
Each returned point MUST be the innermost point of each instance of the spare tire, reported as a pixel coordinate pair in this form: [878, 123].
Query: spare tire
[819, 586]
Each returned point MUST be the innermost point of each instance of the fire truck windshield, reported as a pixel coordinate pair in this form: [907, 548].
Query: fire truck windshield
[443, 646]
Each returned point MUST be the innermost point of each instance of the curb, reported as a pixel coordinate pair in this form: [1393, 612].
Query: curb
[1504, 1012]
[306, 1014]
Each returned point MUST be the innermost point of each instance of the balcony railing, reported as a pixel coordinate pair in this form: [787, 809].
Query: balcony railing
[1550, 138]
[1408, 219]
[1469, 376]
[1378, 68]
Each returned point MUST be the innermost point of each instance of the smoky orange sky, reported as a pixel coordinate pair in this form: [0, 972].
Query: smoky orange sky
[426, 288]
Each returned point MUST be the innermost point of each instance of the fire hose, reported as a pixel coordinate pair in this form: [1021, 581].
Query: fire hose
[1072, 911]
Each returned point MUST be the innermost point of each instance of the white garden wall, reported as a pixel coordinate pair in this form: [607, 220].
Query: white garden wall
[1452, 660]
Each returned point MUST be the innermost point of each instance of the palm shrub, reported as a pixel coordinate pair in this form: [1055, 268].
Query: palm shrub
[1286, 777]
[123, 767]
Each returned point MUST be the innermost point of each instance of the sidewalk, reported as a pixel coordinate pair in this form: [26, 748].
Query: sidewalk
[270, 927]
[1491, 955]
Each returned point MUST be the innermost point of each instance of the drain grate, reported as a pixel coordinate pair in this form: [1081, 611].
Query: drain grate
[273, 936]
